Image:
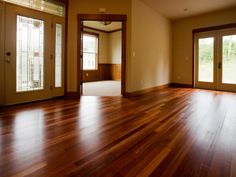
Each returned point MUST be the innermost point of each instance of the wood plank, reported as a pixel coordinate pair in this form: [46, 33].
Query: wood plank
[166, 133]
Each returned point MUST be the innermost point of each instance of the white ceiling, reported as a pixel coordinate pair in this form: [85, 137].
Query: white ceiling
[174, 9]
[98, 25]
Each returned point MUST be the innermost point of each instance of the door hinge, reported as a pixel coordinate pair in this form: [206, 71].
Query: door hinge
[51, 87]
[51, 57]
[52, 25]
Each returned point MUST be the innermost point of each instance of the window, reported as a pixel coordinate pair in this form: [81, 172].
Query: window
[90, 51]
[44, 6]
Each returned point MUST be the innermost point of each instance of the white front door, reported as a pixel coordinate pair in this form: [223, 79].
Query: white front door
[33, 56]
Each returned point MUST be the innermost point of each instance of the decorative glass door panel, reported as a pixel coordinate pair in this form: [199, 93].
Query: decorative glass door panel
[58, 56]
[58, 62]
[29, 54]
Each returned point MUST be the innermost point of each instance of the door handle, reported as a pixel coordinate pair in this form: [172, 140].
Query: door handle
[219, 65]
[8, 57]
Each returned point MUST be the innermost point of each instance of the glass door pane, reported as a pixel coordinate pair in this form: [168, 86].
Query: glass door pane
[29, 54]
[58, 56]
[229, 59]
[206, 59]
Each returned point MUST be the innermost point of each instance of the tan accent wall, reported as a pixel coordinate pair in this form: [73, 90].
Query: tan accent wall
[182, 55]
[151, 48]
[92, 6]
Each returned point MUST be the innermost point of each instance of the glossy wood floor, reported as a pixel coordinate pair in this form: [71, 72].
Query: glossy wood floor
[175, 132]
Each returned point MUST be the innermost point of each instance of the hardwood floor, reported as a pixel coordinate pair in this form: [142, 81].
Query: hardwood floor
[175, 132]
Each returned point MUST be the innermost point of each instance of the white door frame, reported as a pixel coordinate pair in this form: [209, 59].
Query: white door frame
[221, 85]
[199, 84]
[217, 81]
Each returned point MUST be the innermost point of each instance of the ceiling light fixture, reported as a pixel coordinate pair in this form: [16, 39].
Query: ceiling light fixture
[105, 22]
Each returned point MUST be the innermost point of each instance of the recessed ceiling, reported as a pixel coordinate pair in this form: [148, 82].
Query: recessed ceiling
[97, 25]
[175, 9]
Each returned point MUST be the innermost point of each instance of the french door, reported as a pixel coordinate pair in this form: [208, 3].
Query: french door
[33, 55]
[215, 60]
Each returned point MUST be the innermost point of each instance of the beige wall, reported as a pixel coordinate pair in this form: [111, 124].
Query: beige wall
[182, 41]
[1, 54]
[92, 6]
[114, 51]
[103, 45]
[151, 48]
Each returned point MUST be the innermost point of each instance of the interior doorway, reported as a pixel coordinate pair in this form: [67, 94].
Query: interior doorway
[101, 58]
[88, 27]
[215, 60]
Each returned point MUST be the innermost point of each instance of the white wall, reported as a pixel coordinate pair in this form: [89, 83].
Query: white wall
[151, 48]
[114, 51]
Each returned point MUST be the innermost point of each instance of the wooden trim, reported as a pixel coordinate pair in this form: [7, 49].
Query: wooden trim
[71, 95]
[66, 45]
[95, 29]
[181, 85]
[193, 60]
[91, 33]
[103, 31]
[115, 30]
[146, 91]
[214, 28]
[101, 17]
[123, 60]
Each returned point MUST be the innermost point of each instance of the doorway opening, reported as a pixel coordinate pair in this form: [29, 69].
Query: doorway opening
[215, 59]
[101, 58]
[101, 51]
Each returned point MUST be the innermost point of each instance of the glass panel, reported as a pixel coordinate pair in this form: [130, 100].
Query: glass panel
[90, 50]
[30, 54]
[58, 56]
[205, 59]
[41, 5]
[229, 59]
[89, 62]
